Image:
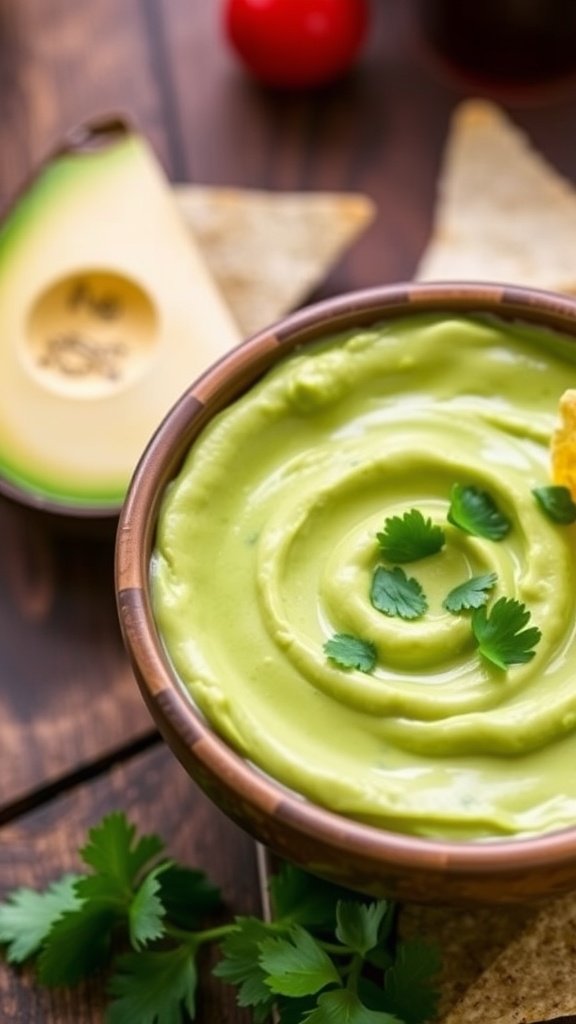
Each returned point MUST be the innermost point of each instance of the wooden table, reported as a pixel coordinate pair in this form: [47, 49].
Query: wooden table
[76, 739]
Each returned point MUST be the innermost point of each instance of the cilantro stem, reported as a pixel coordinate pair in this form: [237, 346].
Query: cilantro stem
[354, 972]
[202, 937]
[335, 949]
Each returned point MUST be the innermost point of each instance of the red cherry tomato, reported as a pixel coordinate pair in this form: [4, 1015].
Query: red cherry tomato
[296, 43]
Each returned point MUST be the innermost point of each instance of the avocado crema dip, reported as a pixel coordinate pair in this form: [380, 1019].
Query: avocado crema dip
[267, 549]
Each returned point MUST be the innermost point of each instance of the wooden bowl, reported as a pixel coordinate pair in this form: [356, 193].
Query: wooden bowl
[373, 860]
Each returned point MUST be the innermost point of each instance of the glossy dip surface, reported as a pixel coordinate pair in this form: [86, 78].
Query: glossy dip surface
[266, 547]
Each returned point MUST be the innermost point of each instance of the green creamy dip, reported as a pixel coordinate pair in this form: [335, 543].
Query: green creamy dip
[266, 547]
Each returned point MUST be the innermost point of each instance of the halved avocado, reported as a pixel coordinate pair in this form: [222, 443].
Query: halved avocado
[107, 313]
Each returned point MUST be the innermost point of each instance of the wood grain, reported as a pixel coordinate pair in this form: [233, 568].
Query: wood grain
[62, 63]
[67, 695]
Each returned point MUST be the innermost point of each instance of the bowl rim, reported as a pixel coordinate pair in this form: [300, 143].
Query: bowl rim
[183, 726]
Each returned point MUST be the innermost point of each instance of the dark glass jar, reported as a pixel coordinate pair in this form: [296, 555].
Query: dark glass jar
[507, 41]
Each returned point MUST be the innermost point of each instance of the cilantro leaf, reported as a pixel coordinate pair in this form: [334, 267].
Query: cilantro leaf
[380, 956]
[557, 503]
[351, 652]
[500, 635]
[358, 924]
[342, 1006]
[297, 965]
[410, 537]
[78, 944]
[114, 852]
[118, 859]
[240, 963]
[153, 987]
[409, 983]
[102, 890]
[471, 594]
[27, 916]
[187, 895]
[394, 593]
[476, 512]
[301, 898]
[146, 912]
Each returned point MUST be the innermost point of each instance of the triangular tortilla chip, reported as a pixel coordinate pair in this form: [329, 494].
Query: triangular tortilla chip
[533, 979]
[269, 250]
[467, 939]
[503, 213]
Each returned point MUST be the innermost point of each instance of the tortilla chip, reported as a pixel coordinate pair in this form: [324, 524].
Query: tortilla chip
[269, 250]
[563, 444]
[533, 979]
[503, 213]
[468, 941]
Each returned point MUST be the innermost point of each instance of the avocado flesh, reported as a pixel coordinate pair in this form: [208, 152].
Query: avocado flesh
[107, 314]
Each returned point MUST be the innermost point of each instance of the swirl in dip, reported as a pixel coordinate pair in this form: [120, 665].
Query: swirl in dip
[266, 547]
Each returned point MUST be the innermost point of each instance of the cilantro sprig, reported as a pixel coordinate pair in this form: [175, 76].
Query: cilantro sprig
[409, 537]
[473, 593]
[394, 593]
[556, 501]
[476, 512]
[500, 633]
[349, 651]
[327, 955]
